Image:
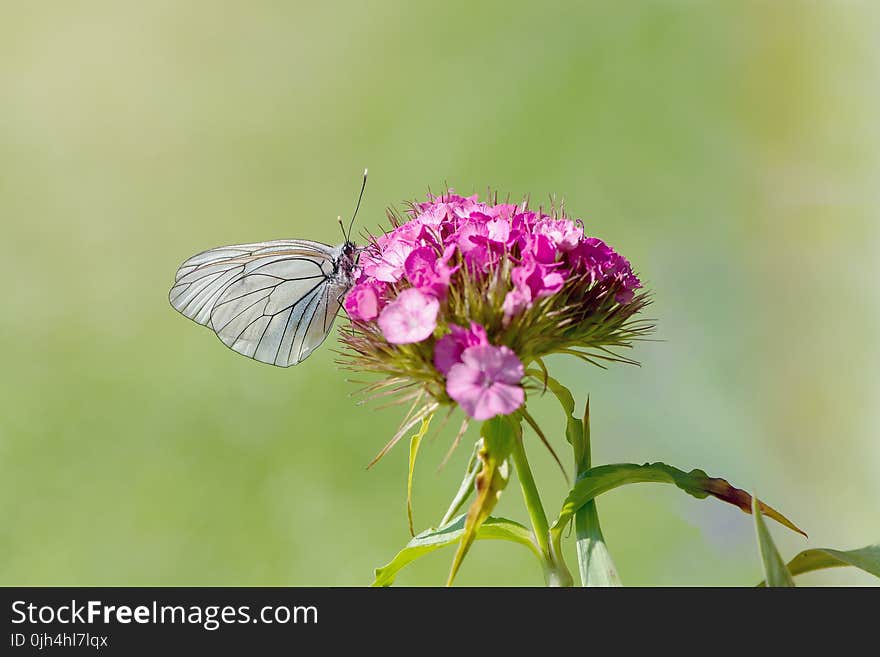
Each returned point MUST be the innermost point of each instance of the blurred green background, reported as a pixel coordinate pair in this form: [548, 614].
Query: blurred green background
[729, 149]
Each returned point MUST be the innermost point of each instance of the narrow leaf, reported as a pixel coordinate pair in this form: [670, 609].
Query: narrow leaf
[866, 558]
[414, 443]
[498, 436]
[424, 412]
[594, 559]
[775, 572]
[537, 429]
[434, 539]
[467, 484]
[573, 426]
[595, 564]
[601, 479]
[725, 492]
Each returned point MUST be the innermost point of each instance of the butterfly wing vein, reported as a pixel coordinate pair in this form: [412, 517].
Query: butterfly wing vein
[274, 301]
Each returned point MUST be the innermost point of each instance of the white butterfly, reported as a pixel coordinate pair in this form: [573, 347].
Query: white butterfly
[273, 301]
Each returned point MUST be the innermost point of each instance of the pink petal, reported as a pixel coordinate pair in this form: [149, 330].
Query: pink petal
[411, 317]
[362, 302]
[498, 363]
[515, 302]
[487, 382]
[448, 350]
[500, 399]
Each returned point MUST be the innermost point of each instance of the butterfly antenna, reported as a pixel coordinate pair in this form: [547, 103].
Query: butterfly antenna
[357, 207]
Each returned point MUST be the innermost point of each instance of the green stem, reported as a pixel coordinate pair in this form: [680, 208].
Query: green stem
[555, 571]
[532, 499]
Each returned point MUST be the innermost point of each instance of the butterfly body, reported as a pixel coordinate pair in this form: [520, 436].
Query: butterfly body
[272, 301]
[346, 263]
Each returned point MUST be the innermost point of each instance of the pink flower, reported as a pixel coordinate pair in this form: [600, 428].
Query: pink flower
[429, 273]
[602, 263]
[538, 279]
[448, 350]
[498, 230]
[411, 317]
[628, 281]
[471, 235]
[465, 206]
[486, 382]
[593, 257]
[364, 301]
[503, 211]
[563, 233]
[434, 215]
[385, 260]
[477, 248]
[541, 248]
[531, 280]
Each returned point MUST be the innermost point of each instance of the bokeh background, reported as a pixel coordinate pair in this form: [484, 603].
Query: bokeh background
[729, 149]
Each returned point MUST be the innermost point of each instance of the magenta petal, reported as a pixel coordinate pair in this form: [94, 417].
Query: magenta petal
[419, 266]
[428, 272]
[543, 249]
[476, 336]
[447, 352]
[362, 303]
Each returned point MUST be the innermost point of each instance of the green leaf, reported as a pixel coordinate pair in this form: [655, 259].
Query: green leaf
[594, 559]
[775, 571]
[414, 443]
[866, 558]
[595, 564]
[601, 479]
[573, 426]
[434, 539]
[466, 487]
[499, 435]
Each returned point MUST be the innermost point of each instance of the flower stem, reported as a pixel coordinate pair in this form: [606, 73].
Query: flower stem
[555, 571]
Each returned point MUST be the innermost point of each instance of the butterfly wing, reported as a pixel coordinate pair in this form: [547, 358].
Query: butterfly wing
[271, 301]
[201, 279]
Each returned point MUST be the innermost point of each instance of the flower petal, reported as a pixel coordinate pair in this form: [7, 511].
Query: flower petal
[411, 317]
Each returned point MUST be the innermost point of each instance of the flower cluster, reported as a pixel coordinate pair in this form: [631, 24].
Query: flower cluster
[461, 294]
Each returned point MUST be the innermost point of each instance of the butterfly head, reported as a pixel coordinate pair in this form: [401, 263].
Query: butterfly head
[349, 255]
[346, 262]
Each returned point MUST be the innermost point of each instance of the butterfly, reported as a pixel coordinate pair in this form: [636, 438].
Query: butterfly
[271, 301]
